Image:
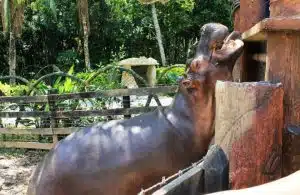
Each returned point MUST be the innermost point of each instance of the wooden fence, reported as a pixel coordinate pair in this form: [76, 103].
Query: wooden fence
[54, 114]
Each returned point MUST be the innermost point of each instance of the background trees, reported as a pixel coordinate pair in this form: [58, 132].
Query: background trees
[58, 33]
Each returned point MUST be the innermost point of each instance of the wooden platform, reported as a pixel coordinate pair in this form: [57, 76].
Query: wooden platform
[259, 31]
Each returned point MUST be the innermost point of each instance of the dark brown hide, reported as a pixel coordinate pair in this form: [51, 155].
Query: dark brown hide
[122, 157]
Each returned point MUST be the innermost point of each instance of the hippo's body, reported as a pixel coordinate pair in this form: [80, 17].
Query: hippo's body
[122, 157]
[110, 157]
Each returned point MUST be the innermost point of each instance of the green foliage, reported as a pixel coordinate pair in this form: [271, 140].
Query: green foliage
[67, 85]
[171, 77]
[66, 58]
[118, 29]
[106, 80]
[16, 90]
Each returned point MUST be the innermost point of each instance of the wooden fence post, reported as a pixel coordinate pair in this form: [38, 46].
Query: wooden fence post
[52, 108]
[126, 104]
[249, 124]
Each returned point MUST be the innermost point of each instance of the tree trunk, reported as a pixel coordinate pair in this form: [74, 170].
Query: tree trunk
[86, 44]
[158, 35]
[12, 55]
[86, 51]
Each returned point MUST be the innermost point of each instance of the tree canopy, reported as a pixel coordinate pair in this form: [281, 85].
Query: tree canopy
[51, 32]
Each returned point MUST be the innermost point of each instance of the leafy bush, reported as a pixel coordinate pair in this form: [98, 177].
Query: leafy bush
[171, 77]
[16, 90]
[106, 80]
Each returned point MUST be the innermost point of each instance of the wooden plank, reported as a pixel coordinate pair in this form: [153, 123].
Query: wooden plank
[39, 131]
[249, 122]
[251, 12]
[284, 7]
[209, 176]
[283, 66]
[95, 94]
[28, 145]
[80, 113]
[259, 31]
[53, 109]
[237, 69]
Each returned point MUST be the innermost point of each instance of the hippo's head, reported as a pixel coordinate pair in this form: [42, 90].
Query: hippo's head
[216, 55]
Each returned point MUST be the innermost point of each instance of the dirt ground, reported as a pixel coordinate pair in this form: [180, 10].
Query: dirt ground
[15, 171]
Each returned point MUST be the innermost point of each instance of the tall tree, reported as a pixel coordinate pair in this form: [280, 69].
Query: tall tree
[83, 14]
[157, 27]
[12, 20]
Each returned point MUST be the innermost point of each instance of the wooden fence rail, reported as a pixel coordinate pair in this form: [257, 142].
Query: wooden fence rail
[95, 94]
[56, 114]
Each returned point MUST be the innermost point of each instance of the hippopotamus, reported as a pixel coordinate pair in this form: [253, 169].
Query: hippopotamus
[124, 156]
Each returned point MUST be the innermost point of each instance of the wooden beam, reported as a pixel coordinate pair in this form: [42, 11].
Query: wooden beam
[29, 145]
[103, 93]
[39, 131]
[251, 12]
[80, 113]
[284, 8]
[259, 31]
[249, 123]
[282, 65]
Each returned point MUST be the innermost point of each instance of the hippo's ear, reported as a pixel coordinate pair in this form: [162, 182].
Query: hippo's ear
[231, 49]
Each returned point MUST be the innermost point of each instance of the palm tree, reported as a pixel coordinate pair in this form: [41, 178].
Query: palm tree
[157, 28]
[12, 12]
[83, 14]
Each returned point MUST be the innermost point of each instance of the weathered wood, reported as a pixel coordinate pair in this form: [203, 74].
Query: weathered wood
[209, 176]
[284, 7]
[283, 61]
[79, 113]
[249, 122]
[236, 20]
[39, 131]
[103, 93]
[237, 69]
[251, 12]
[28, 145]
[259, 31]
[126, 104]
[52, 108]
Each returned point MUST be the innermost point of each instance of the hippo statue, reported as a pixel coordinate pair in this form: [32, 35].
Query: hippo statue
[124, 156]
